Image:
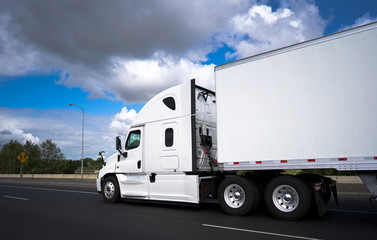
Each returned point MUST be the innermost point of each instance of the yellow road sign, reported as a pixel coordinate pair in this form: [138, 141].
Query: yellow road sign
[22, 157]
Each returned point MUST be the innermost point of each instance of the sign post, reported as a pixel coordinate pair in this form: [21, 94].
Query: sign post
[22, 158]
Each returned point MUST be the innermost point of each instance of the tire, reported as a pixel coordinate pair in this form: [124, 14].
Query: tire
[238, 196]
[288, 198]
[110, 190]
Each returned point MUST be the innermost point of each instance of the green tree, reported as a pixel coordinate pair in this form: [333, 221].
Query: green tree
[34, 153]
[91, 164]
[8, 157]
[99, 161]
[52, 159]
[50, 151]
[44, 158]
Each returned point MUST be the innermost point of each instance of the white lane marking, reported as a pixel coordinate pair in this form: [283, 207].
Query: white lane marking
[50, 189]
[350, 211]
[259, 232]
[18, 198]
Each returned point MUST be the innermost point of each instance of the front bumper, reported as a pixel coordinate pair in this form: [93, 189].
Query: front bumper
[98, 184]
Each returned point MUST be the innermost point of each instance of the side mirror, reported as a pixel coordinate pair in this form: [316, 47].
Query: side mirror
[119, 147]
[118, 143]
[101, 156]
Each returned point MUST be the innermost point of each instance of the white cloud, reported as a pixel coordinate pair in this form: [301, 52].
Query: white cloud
[137, 80]
[62, 126]
[149, 46]
[130, 51]
[90, 31]
[13, 133]
[262, 29]
[13, 127]
[365, 19]
[15, 57]
[122, 121]
[142, 79]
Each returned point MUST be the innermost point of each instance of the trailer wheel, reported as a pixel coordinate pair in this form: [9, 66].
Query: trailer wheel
[110, 190]
[238, 196]
[288, 198]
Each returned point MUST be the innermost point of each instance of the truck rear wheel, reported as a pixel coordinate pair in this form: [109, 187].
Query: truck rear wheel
[288, 198]
[110, 190]
[238, 196]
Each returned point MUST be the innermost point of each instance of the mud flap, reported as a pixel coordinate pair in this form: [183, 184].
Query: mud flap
[369, 179]
[334, 192]
[321, 209]
[373, 199]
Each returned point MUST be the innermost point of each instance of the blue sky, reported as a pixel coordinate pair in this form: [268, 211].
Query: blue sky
[110, 58]
[42, 92]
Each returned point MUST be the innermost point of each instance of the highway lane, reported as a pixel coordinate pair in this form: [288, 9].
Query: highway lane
[32, 209]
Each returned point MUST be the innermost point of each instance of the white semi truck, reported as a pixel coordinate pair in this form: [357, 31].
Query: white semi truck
[312, 105]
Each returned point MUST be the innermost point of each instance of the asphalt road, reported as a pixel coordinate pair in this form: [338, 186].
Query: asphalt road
[52, 209]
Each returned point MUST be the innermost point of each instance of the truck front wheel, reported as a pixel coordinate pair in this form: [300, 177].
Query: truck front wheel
[238, 196]
[110, 190]
[288, 198]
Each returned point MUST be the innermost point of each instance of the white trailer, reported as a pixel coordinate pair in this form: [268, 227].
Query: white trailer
[307, 106]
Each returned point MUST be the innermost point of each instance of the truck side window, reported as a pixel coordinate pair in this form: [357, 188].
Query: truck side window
[133, 140]
[169, 137]
[169, 102]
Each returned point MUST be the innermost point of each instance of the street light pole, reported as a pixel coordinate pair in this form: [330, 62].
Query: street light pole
[82, 139]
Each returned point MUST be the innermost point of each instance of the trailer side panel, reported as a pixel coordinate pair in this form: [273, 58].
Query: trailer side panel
[315, 100]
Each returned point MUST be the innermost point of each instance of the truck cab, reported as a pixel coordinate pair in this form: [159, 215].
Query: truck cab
[163, 149]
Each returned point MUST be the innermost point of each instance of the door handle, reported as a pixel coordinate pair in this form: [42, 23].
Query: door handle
[139, 164]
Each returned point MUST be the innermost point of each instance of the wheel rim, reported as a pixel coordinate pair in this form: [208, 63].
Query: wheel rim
[285, 198]
[109, 189]
[234, 196]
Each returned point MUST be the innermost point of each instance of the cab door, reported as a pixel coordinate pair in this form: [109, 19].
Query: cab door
[132, 162]
[132, 181]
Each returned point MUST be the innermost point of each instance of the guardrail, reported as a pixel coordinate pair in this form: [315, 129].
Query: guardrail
[347, 179]
[57, 176]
